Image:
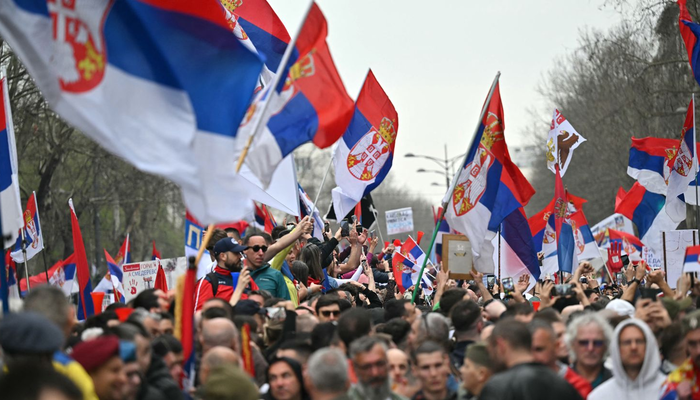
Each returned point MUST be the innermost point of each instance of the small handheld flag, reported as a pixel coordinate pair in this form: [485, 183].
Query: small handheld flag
[562, 140]
[692, 259]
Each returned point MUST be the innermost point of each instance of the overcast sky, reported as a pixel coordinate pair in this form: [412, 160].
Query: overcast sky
[436, 60]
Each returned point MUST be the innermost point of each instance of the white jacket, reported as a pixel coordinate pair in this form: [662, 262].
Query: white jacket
[620, 386]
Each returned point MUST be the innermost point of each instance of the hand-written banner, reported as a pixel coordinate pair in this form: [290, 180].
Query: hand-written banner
[399, 221]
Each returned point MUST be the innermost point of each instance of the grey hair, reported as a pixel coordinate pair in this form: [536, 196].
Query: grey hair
[434, 326]
[140, 314]
[365, 344]
[50, 302]
[585, 319]
[328, 370]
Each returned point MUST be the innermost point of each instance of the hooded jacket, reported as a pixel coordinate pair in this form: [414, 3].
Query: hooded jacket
[620, 386]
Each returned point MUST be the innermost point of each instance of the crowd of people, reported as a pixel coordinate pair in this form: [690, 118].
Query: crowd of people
[286, 316]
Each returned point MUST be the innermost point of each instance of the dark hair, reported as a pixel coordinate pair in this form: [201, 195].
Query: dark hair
[275, 233]
[426, 347]
[233, 230]
[301, 272]
[397, 328]
[217, 235]
[128, 331]
[353, 324]
[394, 308]
[100, 320]
[224, 306]
[272, 301]
[302, 347]
[548, 315]
[464, 315]
[168, 316]
[327, 300]
[215, 312]
[311, 256]
[344, 305]
[514, 332]
[265, 236]
[322, 335]
[450, 298]
[264, 293]
[27, 380]
[669, 339]
[147, 300]
[165, 344]
[240, 320]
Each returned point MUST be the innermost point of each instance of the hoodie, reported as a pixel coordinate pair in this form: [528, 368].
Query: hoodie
[620, 386]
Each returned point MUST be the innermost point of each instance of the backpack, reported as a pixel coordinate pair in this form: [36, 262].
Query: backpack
[217, 279]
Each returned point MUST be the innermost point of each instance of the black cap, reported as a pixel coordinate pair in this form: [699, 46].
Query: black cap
[228, 244]
[248, 307]
[29, 333]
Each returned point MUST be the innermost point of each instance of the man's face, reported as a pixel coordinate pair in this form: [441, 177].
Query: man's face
[398, 364]
[152, 326]
[133, 381]
[589, 346]
[231, 261]
[559, 331]
[328, 313]
[474, 376]
[593, 297]
[255, 259]
[371, 367]
[544, 348]
[633, 347]
[284, 384]
[109, 379]
[431, 371]
[174, 363]
[692, 342]
[143, 353]
[411, 312]
[166, 326]
[163, 303]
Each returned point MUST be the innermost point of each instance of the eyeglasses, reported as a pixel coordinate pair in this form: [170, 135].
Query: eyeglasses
[328, 313]
[257, 248]
[595, 343]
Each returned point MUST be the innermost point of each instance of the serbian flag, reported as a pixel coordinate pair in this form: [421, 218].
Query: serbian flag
[12, 284]
[112, 280]
[405, 271]
[363, 156]
[518, 255]
[306, 206]
[182, 59]
[184, 323]
[264, 218]
[650, 162]
[11, 210]
[194, 235]
[310, 103]
[161, 282]
[82, 269]
[648, 212]
[684, 167]
[155, 254]
[124, 254]
[32, 232]
[692, 259]
[488, 187]
[690, 32]
[631, 245]
[61, 275]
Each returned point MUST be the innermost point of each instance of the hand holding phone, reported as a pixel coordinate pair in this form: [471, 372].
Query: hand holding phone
[344, 228]
[508, 286]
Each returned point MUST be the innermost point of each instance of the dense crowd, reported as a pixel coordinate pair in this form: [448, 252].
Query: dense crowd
[327, 321]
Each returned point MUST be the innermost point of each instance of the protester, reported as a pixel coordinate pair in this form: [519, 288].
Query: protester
[468, 323]
[476, 370]
[684, 382]
[216, 357]
[369, 360]
[219, 283]
[430, 366]
[327, 375]
[286, 382]
[101, 359]
[589, 337]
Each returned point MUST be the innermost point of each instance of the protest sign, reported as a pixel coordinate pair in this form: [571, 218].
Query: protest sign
[675, 243]
[399, 221]
[617, 222]
[141, 276]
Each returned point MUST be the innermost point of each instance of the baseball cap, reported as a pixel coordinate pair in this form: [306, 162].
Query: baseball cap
[228, 244]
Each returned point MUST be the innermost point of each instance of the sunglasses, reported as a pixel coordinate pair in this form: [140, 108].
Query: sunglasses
[595, 343]
[257, 248]
[328, 313]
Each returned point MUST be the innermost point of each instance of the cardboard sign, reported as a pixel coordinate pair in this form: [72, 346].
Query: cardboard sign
[675, 243]
[399, 221]
[141, 276]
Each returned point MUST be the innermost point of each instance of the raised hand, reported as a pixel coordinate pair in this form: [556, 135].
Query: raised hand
[523, 283]
[615, 257]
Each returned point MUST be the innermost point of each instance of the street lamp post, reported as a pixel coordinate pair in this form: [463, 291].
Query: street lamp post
[445, 164]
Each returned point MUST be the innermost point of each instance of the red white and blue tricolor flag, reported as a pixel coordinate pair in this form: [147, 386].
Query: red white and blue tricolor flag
[124, 254]
[648, 212]
[112, 280]
[155, 254]
[306, 206]
[690, 32]
[264, 218]
[518, 254]
[488, 188]
[650, 162]
[12, 284]
[684, 167]
[193, 77]
[32, 232]
[364, 155]
[61, 275]
[194, 235]
[11, 210]
[82, 269]
[631, 245]
[406, 264]
[310, 105]
[692, 259]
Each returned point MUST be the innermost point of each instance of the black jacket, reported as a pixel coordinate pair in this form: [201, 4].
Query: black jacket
[530, 381]
[158, 379]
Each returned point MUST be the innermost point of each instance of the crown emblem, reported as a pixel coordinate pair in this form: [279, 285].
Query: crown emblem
[671, 153]
[560, 208]
[493, 131]
[387, 131]
[303, 68]
[231, 5]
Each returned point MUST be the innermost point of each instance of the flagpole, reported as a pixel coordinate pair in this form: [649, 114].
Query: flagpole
[697, 168]
[318, 193]
[24, 254]
[499, 251]
[446, 200]
[275, 81]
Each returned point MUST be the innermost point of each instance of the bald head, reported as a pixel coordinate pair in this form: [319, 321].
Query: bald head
[216, 357]
[219, 332]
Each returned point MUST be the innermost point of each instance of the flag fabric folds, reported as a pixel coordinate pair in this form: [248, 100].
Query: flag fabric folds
[684, 167]
[690, 32]
[631, 245]
[562, 227]
[650, 162]
[124, 254]
[692, 259]
[61, 275]
[309, 105]
[307, 208]
[264, 218]
[647, 210]
[112, 280]
[363, 156]
[32, 232]
[368, 212]
[12, 283]
[194, 235]
[155, 254]
[82, 269]
[184, 323]
[518, 255]
[193, 77]
[10, 203]
[161, 281]
[562, 140]
[488, 188]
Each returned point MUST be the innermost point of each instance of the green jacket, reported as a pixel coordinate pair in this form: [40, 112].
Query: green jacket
[355, 394]
[271, 280]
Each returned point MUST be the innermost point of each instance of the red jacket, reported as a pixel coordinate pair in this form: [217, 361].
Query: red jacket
[224, 290]
[582, 386]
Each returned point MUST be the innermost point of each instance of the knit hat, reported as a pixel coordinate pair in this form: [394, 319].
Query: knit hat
[674, 306]
[95, 353]
[623, 308]
[479, 354]
[29, 333]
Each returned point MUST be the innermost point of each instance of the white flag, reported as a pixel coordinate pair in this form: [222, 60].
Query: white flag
[561, 142]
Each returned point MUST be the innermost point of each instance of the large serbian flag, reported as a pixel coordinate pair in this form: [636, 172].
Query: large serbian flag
[163, 84]
[363, 156]
[309, 104]
[9, 175]
[82, 269]
[684, 167]
[690, 32]
[650, 162]
[488, 188]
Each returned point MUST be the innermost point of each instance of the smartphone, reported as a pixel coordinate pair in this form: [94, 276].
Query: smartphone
[373, 233]
[620, 278]
[583, 279]
[326, 227]
[649, 293]
[508, 287]
[275, 313]
[359, 229]
[562, 290]
[625, 260]
[490, 281]
[344, 228]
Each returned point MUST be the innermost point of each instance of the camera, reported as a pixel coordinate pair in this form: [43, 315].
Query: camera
[563, 290]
